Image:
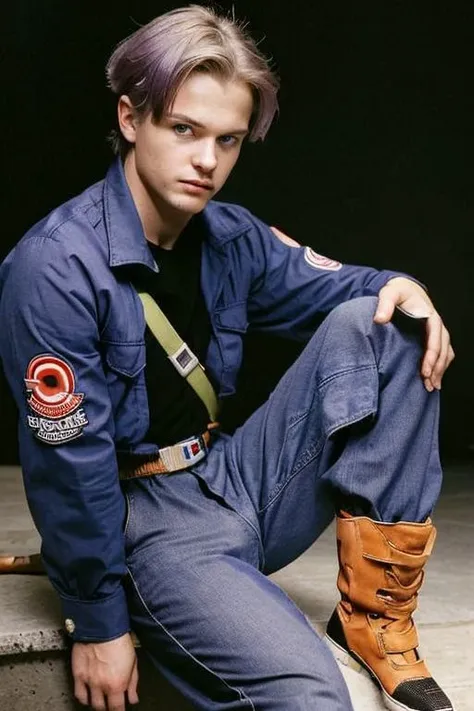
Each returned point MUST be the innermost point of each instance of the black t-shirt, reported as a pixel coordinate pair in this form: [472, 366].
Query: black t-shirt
[176, 412]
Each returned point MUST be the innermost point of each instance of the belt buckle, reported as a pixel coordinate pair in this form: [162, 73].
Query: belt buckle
[184, 360]
[183, 454]
[193, 450]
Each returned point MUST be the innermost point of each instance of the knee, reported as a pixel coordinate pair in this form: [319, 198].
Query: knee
[355, 312]
[355, 318]
[349, 324]
[352, 338]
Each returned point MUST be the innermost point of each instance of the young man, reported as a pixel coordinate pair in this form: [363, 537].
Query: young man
[152, 520]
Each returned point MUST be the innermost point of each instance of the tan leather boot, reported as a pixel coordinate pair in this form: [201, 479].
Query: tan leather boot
[380, 573]
[27, 565]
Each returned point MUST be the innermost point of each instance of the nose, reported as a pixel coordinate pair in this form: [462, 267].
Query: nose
[205, 157]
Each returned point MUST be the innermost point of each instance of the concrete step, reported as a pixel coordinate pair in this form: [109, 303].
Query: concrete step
[34, 659]
[34, 654]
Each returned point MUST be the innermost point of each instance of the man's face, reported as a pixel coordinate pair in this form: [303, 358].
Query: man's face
[185, 158]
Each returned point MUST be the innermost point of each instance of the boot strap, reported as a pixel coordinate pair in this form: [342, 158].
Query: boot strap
[370, 562]
[399, 642]
[375, 546]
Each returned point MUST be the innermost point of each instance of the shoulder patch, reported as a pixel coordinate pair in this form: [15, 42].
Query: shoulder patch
[318, 261]
[50, 385]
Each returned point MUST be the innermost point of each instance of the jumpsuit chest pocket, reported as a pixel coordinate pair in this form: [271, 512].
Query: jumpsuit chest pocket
[231, 324]
[233, 318]
[124, 365]
[126, 359]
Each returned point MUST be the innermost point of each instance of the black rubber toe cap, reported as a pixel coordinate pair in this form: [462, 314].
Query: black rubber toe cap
[422, 695]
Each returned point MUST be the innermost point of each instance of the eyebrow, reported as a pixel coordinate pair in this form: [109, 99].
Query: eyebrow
[193, 122]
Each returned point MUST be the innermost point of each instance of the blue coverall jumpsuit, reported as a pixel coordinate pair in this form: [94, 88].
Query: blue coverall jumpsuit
[185, 562]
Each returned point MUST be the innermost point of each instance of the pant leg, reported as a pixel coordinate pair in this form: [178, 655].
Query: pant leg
[349, 420]
[217, 628]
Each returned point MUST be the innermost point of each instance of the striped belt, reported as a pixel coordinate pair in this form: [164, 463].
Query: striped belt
[168, 459]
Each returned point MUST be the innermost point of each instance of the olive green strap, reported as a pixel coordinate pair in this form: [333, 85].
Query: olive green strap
[180, 354]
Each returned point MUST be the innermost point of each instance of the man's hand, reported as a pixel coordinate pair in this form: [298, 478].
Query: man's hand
[410, 297]
[104, 672]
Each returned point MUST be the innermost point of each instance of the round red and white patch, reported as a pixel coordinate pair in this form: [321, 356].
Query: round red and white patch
[50, 387]
[318, 261]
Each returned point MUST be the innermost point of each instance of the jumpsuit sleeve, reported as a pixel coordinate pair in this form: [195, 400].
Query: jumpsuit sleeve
[51, 358]
[294, 288]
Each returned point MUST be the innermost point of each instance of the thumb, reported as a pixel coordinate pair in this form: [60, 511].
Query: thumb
[385, 306]
[132, 692]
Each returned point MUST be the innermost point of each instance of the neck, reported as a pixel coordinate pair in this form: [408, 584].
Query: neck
[161, 223]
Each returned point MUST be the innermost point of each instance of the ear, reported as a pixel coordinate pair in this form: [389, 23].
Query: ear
[127, 118]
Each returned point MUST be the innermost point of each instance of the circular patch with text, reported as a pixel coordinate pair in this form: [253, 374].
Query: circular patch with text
[318, 261]
[50, 385]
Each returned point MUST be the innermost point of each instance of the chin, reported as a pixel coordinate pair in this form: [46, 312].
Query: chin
[190, 204]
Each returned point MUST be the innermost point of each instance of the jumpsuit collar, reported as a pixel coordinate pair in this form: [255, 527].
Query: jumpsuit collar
[125, 235]
[127, 241]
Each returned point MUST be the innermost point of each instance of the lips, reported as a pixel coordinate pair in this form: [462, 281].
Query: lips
[198, 184]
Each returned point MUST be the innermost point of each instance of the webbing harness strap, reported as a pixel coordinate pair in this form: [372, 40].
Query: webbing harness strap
[182, 357]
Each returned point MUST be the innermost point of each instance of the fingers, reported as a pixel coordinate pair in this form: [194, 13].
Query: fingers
[115, 702]
[439, 353]
[445, 358]
[132, 692]
[451, 356]
[105, 671]
[80, 692]
[440, 365]
[433, 349]
[409, 296]
[98, 699]
[112, 701]
[386, 305]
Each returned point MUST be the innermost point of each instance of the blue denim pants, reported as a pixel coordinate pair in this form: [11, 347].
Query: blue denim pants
[350, 421]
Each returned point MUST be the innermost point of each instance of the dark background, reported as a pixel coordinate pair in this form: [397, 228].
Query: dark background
[369, 161]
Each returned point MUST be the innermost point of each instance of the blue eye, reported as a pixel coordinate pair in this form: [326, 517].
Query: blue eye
[228, 140]
[182, 129]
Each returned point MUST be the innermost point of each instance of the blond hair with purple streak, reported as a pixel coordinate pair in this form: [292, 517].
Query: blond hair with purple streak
[151, 65]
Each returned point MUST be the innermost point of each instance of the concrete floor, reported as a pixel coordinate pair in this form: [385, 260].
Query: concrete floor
[30, 618]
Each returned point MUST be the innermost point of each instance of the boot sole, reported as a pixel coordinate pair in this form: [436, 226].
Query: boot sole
[356, 664]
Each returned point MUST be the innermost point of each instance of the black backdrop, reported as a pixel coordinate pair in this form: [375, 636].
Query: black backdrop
[369, 161]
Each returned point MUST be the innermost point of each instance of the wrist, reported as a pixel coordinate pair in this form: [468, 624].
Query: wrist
[101, 620]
